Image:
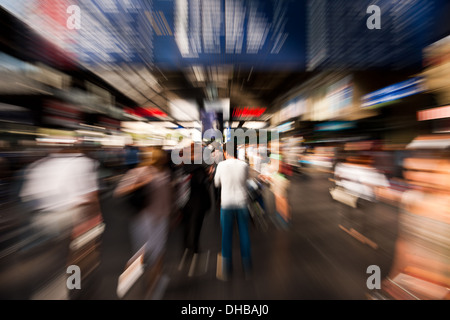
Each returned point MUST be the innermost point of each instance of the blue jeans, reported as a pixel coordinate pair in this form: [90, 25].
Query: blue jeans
[227, 217]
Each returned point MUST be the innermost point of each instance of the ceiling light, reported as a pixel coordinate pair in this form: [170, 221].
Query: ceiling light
[190, 124]
[254, 124]
[184, 110]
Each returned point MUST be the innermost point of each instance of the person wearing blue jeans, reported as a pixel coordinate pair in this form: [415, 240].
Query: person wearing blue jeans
[231, 175]
[227, 217]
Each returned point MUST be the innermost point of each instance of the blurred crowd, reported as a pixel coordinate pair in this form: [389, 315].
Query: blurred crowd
[51, 213]
[51, 206]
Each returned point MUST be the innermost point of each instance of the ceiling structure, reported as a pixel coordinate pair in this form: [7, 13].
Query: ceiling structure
[156, 87]
[154, 52]
[243, 88]
[152, 85]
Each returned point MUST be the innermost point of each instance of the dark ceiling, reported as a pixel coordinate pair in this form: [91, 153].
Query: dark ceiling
[244, 88]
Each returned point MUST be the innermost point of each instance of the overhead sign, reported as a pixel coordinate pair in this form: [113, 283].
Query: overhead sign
[335, 126]
[393, 92]
[114, 32]
[253, 33]
[339, 35]
[148, 113]
[293, 109]
[239, 32]
[248, 112]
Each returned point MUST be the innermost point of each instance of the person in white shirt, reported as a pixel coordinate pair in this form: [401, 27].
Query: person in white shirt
[61, 187]
[361, 180]
[60, 195]
[231, 175]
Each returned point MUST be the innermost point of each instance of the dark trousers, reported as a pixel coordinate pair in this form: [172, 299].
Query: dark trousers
[192, 223]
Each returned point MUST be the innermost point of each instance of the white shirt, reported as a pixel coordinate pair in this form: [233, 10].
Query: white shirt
[60, 181]
[232, 175]
[241, 154]
[360, 180]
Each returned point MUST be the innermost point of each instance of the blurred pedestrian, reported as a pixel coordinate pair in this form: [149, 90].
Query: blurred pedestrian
[279, 186]
[60, 192]
[422, 256]
[197, 205]
[232, 175]
[359, 179]
[149, 227]
[216, 157]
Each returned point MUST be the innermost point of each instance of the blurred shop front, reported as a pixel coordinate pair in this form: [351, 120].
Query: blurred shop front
[332, 109]
[422, 260]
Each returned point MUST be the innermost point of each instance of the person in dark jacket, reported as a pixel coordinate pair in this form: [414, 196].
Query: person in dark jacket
[195, 209]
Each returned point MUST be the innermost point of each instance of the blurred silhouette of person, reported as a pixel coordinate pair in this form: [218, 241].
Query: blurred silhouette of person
[215, 157]
[198, 204]
[149, 228]
[358, 178]
[232, 175]
[279, 186]
[422, 256]
[60, 192]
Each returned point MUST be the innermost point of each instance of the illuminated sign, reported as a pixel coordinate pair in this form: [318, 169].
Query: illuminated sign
[184, 110]
[335, 126]
[240, 31]
[434, 113]
[288, 126]
[293, 109]
[149, 112]
[393, 92]
[247, 112]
